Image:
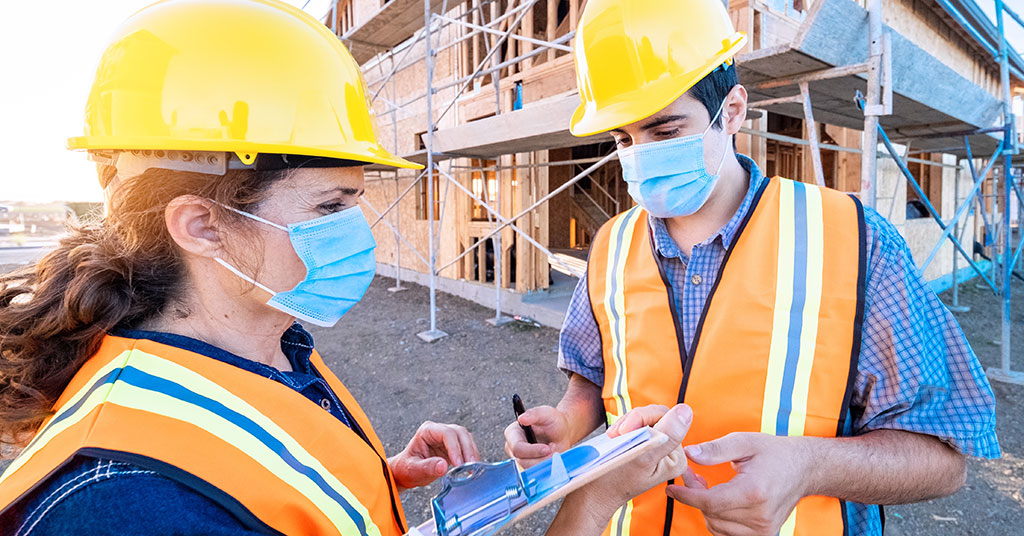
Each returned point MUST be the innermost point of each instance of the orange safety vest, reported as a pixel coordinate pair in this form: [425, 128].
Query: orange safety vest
[775, 350]
[277, 461]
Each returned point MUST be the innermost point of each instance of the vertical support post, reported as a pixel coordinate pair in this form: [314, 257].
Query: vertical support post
[812, 133]
[526, 29]
[872, 108]
[1004, 373]
[499, 254]
[398, 211]
[433, 333]
[552, 26]
[956, 307]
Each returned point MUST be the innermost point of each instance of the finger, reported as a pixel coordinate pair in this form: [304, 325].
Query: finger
[531, 451]
[539, 416]
[729, 448]
[453, 445]
[419, 472]
[469, 448]
[693, 480]
[673, 422]
[440, 435]
[638, 418]
[695, 497]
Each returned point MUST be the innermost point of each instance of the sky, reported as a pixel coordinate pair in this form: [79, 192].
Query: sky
[48, 55]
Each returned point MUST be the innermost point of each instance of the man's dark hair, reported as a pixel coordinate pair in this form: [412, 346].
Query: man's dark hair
[712, 89]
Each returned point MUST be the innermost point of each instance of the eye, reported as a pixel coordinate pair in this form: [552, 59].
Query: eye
[622, 142]
[670, 133]
[331, 207]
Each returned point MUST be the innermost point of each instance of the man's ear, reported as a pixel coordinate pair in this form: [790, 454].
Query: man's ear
[735, 109]
[194, 226]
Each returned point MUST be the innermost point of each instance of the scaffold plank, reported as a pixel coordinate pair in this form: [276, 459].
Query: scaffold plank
[392, 24]
[835, 34]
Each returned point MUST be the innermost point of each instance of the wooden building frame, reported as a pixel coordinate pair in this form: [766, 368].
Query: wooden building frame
[503, 44]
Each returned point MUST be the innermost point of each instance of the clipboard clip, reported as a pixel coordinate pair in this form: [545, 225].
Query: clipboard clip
[476, 499]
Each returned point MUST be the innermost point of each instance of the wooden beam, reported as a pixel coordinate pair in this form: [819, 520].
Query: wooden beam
[552, 24]
[526, 29]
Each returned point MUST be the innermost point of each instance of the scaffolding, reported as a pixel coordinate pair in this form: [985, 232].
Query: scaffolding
[396, 37]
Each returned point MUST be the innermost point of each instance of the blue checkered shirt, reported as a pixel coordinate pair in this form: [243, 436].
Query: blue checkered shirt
[916, 370]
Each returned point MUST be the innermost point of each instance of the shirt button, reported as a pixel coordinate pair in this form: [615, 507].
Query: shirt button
[696, 279]
[326, 404]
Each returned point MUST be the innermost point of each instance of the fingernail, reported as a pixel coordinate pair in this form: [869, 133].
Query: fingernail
[693, 450]
[684, 414]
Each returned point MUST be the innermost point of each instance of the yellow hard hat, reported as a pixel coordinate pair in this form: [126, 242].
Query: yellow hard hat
[242, 77]
[635, 57]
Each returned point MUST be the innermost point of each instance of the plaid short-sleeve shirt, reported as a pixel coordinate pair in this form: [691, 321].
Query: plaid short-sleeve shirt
[916, 371]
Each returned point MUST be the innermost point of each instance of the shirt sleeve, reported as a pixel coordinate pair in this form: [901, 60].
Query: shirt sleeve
[916, 370]
[579, 344]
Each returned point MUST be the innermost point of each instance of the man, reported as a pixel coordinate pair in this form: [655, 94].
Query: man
[824, 377]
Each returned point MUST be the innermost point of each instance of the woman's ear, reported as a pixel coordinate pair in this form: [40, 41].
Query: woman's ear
[735, 109]
[194, 226]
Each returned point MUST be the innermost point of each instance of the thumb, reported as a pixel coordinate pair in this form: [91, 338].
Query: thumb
[428, 467]
[729, 448]
[675, 423]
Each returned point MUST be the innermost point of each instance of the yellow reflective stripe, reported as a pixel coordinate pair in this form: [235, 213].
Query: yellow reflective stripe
[610, 418]
[812, 306]
[789, 527]
[48, 431]
[783, 302]
[615, 303]
[168, 406]
[622, 519]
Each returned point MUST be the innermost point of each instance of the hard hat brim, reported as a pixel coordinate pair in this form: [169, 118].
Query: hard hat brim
[246, 151]
[638, 105]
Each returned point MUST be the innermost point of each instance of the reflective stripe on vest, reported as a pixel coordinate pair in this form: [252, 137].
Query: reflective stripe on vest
[257, 447]
[774, 351]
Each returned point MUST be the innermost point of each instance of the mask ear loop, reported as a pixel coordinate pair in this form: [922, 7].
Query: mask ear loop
[236, 271]
[717, 114]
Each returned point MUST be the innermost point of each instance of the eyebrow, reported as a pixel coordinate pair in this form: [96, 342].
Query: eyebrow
[655, 123]
[344, 191]
[663, 120]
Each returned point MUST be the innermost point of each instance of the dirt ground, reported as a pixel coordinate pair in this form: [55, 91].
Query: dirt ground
[469, 378]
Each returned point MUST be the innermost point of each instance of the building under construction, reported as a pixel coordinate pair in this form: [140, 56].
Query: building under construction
[481, 92]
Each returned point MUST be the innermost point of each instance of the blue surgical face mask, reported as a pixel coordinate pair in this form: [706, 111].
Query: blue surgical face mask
[667, 178]
[337, 250]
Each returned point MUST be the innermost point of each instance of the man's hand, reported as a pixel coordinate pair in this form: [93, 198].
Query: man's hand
[588, 510]
[551, 428]
[578, 413]
[431, 451]
[770, 480]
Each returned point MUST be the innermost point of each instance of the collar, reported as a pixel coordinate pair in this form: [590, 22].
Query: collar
[296, 343]
[727, 233]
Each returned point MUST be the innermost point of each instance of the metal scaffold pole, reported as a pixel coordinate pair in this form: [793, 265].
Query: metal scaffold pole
[873, 107]
[1005, 373]
[955, 306]
[433, 333]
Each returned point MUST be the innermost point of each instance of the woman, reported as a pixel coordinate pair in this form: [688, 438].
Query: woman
[152, 369]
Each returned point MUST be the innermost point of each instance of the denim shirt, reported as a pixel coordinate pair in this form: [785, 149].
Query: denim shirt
[99, 496]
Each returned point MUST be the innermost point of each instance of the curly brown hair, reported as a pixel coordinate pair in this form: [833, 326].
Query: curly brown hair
[114, 273]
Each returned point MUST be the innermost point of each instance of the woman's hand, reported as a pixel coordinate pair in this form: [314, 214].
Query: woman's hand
[589, 509]
[431, 451]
